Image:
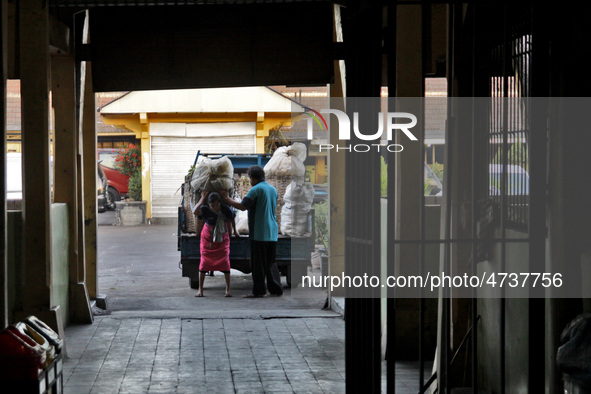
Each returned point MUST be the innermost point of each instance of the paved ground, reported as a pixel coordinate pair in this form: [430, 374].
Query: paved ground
[207, 356]
[139, 272]
[157, 337]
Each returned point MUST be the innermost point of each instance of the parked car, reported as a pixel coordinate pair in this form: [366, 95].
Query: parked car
[118, 187]
[517, 180]
[104, 202]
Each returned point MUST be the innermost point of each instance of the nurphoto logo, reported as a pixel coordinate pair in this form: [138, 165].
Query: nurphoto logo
[344, 123]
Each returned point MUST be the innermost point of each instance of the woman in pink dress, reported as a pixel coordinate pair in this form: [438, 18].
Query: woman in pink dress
[218, 222]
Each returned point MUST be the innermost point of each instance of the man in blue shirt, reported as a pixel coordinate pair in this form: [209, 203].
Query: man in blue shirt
[261, 202]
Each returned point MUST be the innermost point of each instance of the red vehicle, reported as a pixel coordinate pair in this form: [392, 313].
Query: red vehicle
[118, 182]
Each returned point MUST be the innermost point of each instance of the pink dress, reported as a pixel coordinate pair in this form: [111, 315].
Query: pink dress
[215, 256]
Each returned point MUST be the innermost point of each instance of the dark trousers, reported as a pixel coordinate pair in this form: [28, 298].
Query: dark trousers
[264, 266]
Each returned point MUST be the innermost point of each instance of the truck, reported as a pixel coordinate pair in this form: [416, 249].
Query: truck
[293, 254]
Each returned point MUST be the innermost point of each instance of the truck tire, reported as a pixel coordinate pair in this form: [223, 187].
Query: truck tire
[113, 195]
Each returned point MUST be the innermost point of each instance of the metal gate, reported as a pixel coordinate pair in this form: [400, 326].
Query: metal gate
[173, 151]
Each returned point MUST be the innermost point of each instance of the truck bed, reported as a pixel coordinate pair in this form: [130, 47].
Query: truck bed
[293, 254]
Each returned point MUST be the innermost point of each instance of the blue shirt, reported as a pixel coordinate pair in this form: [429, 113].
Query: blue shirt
[261, 202]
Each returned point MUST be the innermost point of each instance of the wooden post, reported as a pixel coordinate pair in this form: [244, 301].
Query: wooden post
[80, 311]
[88, 272]
[35, 74]
[336, 171]
[146, 172]
[3, 255]
[408, 171]
[66, 147]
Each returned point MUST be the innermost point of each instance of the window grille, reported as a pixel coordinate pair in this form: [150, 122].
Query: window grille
[505, 77]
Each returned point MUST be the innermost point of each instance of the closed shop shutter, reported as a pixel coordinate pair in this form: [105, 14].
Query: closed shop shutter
[173, 150]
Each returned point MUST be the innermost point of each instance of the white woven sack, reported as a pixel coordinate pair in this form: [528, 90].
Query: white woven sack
[242, 221]
[299, 151]
[299, 196]
[222, 172]
[286, 161]
[212, 175]
[294, 221]
[200, 178]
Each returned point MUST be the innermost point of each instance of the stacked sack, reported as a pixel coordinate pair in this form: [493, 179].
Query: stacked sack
[209, 175]
[287, 161]
[297, 204]
[285, 167]
[212, 175]
[242, 222]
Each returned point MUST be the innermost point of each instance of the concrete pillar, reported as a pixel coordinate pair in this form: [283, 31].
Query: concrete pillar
[336, 171]
[66, 148]
[145, 148]
[3, 248]
[459, 185]
[146, 174]
[409, 171]
[569, 219]
[80, 311]
[88, 273]
[261, 133]
[35, 74]
[362, 32]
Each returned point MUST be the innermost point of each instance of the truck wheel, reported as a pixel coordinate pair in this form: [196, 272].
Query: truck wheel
[194, 283]
[113, 195]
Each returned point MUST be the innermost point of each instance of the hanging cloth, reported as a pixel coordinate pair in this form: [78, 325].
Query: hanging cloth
[217, 232]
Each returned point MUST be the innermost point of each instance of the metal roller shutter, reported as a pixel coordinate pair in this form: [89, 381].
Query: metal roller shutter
[173, 153]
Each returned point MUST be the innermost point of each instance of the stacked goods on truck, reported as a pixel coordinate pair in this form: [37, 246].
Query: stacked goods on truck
[284, 170]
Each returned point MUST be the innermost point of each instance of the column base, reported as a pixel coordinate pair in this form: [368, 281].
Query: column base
[80, 309]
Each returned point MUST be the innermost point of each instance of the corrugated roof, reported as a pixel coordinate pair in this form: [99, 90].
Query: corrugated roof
[103, 99]
[13, 108]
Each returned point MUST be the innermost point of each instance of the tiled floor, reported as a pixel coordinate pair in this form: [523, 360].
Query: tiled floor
[158, 338]
[139, 355]
[206, 356]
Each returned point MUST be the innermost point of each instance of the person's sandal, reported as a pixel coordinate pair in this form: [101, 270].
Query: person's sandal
[254, 296]
[199, 295]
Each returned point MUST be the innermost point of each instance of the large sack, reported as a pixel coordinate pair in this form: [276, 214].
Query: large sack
[200, 178]
[222, 174]
[294, 222]
[299, 151]
[211, 175]
[297, 202]
[299, 196]
[287, 161]
[242, 222]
